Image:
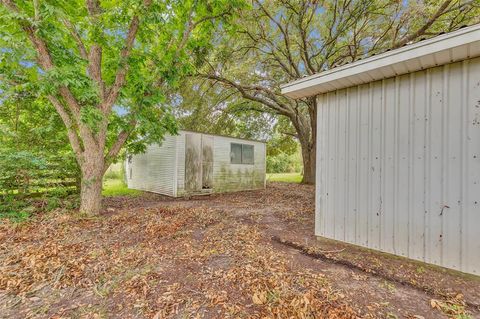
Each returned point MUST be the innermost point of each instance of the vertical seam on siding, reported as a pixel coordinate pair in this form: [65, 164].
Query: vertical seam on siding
[327, 164]
[464, 168]
[411, 162]
[396, 152]
[346, 214]
[358, 160]
[175, 171]
[369, 161]
[327, 185]
[444, 162]
[336, 192]
[381, 162]
[427, 196]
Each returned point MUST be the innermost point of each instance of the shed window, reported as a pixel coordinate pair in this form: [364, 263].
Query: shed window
[241, 153]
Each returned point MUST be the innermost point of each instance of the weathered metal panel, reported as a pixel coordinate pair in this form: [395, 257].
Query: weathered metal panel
[471, 188]
[234, 177]
[399, 165]
[154, 170]
[352, 120]
[364, 168]
[193, 162]
[180, 163]
[207, 162]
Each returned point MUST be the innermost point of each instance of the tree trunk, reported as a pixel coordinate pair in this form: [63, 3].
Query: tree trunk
[91, 197]
[309, 163]
[306, 126]
[309, 151]
[91, 189]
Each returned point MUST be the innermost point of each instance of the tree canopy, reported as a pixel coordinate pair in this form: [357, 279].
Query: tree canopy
[276, 42]
[102, 66]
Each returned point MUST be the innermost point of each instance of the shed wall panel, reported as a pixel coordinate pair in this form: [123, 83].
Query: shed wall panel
[399, 165]
[180, 163]
[154, 170]
[235, 177]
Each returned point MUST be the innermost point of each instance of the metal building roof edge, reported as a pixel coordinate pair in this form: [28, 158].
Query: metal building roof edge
[222, 135]
[441, 43]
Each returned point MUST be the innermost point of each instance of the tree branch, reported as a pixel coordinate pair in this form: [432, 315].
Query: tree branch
[276, 105]
[72, 135]
[117, 146]
[123, 65]
[77, 38]
[424, 28]
[95, 55]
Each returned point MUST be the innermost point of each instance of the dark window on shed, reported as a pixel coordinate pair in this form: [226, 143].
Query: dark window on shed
[247, 154]
[236, 153]
[241, 153]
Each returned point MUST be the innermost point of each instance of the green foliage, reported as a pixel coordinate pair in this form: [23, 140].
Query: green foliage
[283, 139]
[22, 209]
[203, 108]
[172, 38]
[18, 169]
[92, 117]
[284, 163]
[110, 174]
[276, 42]
[15, 210]
[117, 187]
[25, 173]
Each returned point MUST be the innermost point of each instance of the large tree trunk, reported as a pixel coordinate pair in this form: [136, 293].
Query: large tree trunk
[309, 163]
[91, 189]
[91, 196]
[306, 126]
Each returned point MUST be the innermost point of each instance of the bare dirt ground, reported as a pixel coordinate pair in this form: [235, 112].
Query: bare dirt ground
[239, 255]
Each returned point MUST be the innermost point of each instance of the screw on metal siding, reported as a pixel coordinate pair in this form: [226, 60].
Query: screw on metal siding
[443, 207]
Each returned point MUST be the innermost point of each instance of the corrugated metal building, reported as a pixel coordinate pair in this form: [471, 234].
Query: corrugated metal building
[196, 163]
[398, 167]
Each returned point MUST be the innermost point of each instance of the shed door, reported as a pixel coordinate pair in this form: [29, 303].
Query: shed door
[207, 162]
[193, 162]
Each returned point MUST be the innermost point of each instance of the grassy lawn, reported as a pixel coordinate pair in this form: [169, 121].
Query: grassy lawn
[285, 177]
[116, 187]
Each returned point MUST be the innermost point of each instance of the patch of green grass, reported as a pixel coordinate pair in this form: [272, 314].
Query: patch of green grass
[285, 177]
[15, 209]
[116, 187]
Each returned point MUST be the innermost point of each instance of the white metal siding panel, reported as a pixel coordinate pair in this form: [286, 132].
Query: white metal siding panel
[180, 163]
[154, 170]
[399, 165]
[234, 177]
[136, 172]
[471, 188]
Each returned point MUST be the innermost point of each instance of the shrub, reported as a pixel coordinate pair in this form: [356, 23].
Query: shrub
[18, 170]
[283, 163]
[31, 183]
[15, 210]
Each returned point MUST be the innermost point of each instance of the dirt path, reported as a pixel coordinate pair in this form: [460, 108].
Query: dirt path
[239, 255]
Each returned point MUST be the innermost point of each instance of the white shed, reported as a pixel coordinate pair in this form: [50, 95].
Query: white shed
[398, 167]
[195, 163]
